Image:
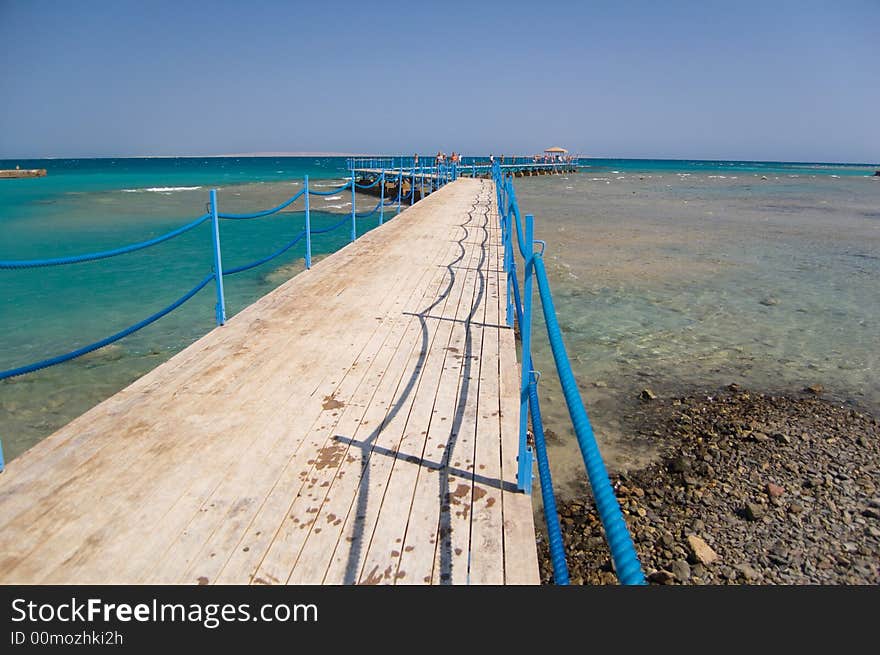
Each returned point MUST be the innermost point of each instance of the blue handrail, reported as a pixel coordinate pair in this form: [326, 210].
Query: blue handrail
[626, 562]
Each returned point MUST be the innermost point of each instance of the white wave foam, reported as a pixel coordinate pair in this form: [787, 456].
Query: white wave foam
[163, 189]
[329, 198]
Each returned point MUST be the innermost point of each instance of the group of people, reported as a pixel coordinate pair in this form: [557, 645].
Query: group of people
[550, 159]
[441, 158]
[455, 158]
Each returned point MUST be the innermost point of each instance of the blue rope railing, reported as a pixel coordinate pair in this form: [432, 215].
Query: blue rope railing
[104, 254]
[623, 554]
[213, 216]
[368, 186]
[372, 211]
[554, 532]
[266, 212]
[260, 262]
[345, 186]
[131, 329]
[335, 226]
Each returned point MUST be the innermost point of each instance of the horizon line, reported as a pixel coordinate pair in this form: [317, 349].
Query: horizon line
[295, 154]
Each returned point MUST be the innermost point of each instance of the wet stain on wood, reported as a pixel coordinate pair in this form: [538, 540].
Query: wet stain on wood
[330, 456]
[331, 402]
[373, 578]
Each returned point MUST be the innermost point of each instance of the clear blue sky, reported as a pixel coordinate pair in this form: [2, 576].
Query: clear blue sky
[732, 79]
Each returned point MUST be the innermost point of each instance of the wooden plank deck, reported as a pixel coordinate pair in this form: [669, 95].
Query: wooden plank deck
[356, 425]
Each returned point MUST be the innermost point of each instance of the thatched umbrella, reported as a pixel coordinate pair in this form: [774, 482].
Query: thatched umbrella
[555, 150]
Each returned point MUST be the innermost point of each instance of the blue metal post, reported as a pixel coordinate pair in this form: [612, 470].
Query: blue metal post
[524, 461]
[511, 270]
[2, 461]
[308, 226]
[382, 197]
[399, 187]
[220, 307]
[412, 184]
[353, 209]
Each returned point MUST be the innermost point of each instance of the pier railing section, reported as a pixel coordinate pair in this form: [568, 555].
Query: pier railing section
[385, 173]
[423, 170]
[215, 215]
[532, 443]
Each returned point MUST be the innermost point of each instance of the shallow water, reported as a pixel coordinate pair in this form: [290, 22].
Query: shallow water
[678, 282]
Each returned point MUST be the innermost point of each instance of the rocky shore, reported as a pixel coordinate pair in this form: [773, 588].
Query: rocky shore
[750, 489]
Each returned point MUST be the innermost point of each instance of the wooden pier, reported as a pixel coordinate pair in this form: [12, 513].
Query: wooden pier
[415, 183]
[358, 424]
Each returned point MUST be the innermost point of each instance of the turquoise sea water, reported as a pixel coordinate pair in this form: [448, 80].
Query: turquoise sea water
[661, 268]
